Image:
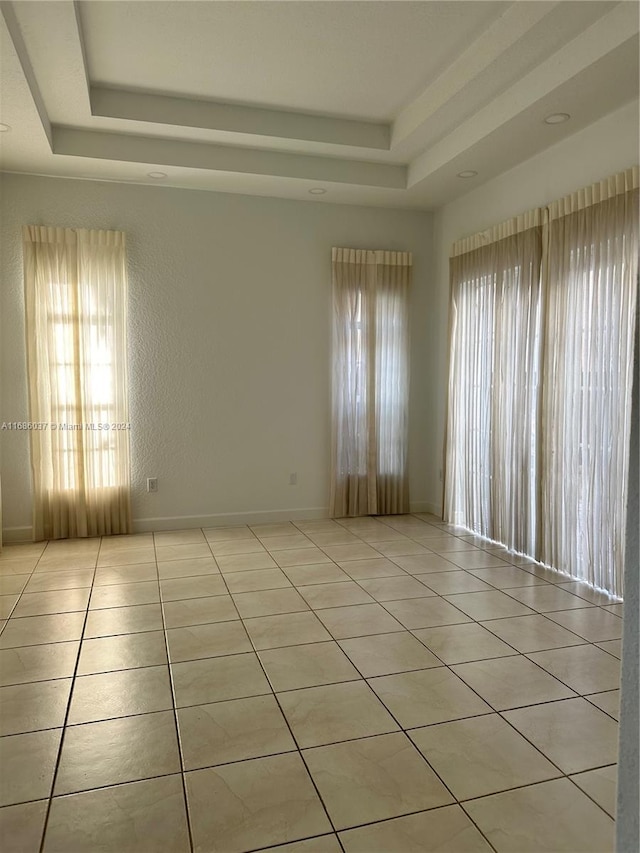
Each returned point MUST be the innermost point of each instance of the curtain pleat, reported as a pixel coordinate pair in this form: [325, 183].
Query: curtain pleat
[76, 318]
[542, 325]
[370, 386]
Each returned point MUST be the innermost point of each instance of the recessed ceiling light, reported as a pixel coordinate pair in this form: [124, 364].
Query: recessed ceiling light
[4, 128]
[157, 176]
[317, 191]
[557, 118]
[469, 173]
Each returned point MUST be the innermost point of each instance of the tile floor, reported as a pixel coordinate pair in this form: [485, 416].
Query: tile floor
[368, 685]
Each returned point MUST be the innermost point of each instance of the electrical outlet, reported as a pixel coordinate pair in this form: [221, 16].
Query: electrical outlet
[152, 484]
[293, 478]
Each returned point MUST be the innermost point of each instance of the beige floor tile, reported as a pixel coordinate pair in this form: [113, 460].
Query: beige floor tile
[36, 630]
[257, 580]
[165, 553]
[600, 785]
[21, 827]
[49, 581]
[475, 560]
[198, 611]
[179, 537]
[612, 647]
[300, 557]
[583, 590]
[225, 534]
[488, 605]
[325, 595]
[245, 562]
[322, 573]
[573, 734]
[23, 550]
[373, 779]
[127, 556]
[120, 694]
[609, 702]
[462, 643]
[7, 603]
[213, 679]
[28, 762]
[548, 598]
[592, 623]
[125, 541]
[37, 663]
[443, 830]
[286, 543]
[17, 568]
[260, 802]
[375, 568]
[426, 612]
[450, 544]
[532, 633]
[58, 601]
[115, 751]
[543, 573]
[337, 712]
[187, 568]
[125, 574]
[360, 551]
[584, 669]
[35, 706]
[421, 564]
[402, 548]
[175, 589]
[358, 620]
[234, 730]
[427, 696]
[123, 620]
[317, 525]
[506, 577]
[481, 755]
[394, 588]
[319, 844]
[274, 529]
[237, 547]
[124, 595]
[376, 537]
[384, 654]
[14, 584]
[269, 602]
[335, 536]
[511, 682]
[448, 583]
[67, 562]
[616, 609]
[215, 639]
[307, 666]
[547, 818]
[289, 629]
[138, 817]
[124, 651]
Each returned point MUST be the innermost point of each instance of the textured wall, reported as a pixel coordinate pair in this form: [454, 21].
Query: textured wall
[229, 340]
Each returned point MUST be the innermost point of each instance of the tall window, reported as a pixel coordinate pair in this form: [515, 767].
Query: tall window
[370, 382]
[76, 309]
[540, 381]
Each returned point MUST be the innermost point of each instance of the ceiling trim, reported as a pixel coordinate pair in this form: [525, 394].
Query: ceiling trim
[238, 118]
[155, 150]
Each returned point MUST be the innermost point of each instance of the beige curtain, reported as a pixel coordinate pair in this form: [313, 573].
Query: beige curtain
[590, 283]
[76, 316]
[370, 387]
[493, 382]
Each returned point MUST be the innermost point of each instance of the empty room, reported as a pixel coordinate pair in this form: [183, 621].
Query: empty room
[319, 426]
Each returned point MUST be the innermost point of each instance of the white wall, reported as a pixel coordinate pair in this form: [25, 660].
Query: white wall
[229, 342]
[602, 149]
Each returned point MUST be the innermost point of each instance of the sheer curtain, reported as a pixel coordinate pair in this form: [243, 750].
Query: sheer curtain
[493, 382]
[590, 282]
[76, 312]
[370, 387]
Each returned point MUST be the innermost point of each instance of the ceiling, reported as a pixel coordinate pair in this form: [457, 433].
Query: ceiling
[378, 103]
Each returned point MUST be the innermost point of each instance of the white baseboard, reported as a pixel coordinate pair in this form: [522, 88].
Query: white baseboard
[224, 519]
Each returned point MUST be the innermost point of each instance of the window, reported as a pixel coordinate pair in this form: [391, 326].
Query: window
[76, 300]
